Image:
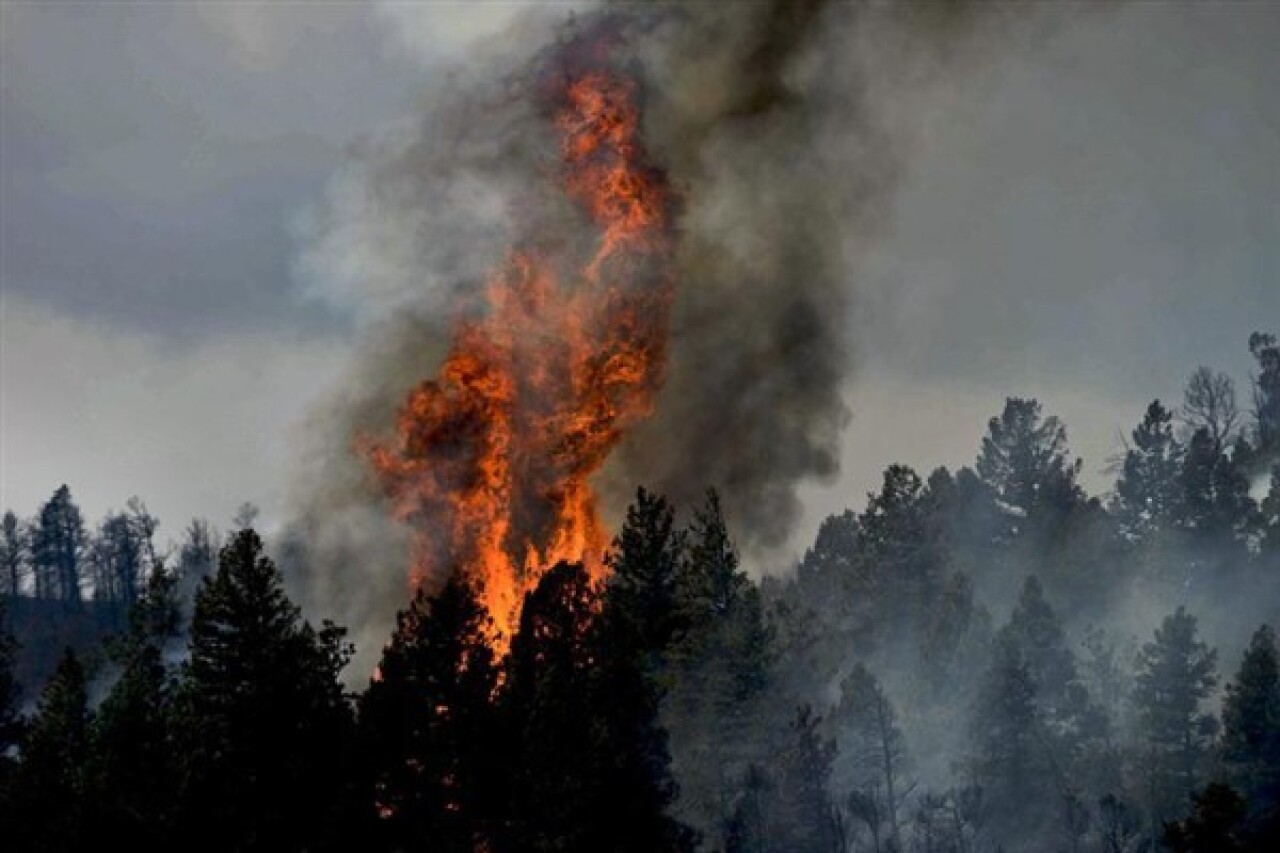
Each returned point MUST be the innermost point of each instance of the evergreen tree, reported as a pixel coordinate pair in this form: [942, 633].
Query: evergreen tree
[10, 721]
[644, 561]
[1012, 763]
[746, 829]
[827, 570]
[545, 706]
[197, 559]
[1146, 496]
[956, 628]
[1269, 521]
[1061, 697]
[1266, 395]
[267, 730]
[13, 555]
[1251, 723]
[1212, 827]
[803, 818]
[1176, 674]
[429, 728]
[118, 555]
[48, 798]
[1024, 461]
[1214, 507]
[630, 641]
[1118, 825]
[900, 544]
[10, 690]
[872, 755]
[717, 670]
[58, 543]
[135, 768]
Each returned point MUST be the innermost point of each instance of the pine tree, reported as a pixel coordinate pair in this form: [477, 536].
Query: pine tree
[123, 555]
[1118, 825]
[1266, 395]
[197, 559]
[642, 586]
[948, 639]
[546, 705]
[429, 729]
[58, 544]
[631, 640]
[1052, 667]
[10, 690]
[1251, 723]
[803, 817]
[268, 732]
[117, 560]
[827, 570]
[900, 546]
[1176, 674]
[10, 721]
[746, 829]
[872, 754]
[1012, 762]
[1212, 827]
[135, 769]
[1214, 507]
[1147, 491]
[49, 794]
[14, 555]
[1024, 460]
[718, 665]
[1269, 521]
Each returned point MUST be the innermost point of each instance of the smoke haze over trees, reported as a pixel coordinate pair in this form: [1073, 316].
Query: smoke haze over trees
[1000, 656]
[984, 659]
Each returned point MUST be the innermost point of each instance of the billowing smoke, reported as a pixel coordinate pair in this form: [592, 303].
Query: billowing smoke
[774, 124]
[754, 114]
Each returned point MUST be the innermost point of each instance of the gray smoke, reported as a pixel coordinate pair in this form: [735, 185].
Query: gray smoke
[775, 124]
[776, 120]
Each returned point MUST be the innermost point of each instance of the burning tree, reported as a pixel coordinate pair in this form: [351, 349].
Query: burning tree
[491, 459]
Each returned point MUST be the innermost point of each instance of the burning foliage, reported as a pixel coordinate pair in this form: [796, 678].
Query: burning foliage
[491, 459]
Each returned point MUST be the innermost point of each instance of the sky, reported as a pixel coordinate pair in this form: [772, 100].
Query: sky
[1084, 221]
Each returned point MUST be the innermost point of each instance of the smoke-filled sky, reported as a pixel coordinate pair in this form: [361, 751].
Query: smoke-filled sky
[1084, 217]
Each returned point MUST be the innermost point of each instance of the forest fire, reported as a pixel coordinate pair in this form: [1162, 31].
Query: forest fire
[492, 459]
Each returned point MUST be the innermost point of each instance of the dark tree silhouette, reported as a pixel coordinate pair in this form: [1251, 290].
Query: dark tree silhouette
[1209, 403]
[1176, 674]
[58, 543]
[630, 641]
[718, 665]
[803, 816]
[266, 728]
[14, 555]
[1212, 827]
[1266, 395]
[548, 678]
[1251, 725]
[873, 753]
[429, 727]
[1024, 460]
[49, 797]
[135, 764]
[1146, 499]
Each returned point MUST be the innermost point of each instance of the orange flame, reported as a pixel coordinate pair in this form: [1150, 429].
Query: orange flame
[491, 461]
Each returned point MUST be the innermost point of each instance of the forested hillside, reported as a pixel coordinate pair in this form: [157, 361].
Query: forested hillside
[976, 660]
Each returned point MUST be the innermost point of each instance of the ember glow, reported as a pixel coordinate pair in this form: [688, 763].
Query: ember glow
[491, 460]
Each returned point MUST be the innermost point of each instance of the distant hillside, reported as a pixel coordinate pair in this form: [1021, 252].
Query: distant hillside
[43, 628]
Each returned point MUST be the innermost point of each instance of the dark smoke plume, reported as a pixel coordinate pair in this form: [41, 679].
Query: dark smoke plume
[771, 121]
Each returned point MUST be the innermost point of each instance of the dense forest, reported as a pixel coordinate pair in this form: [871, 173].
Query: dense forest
[978, 660]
